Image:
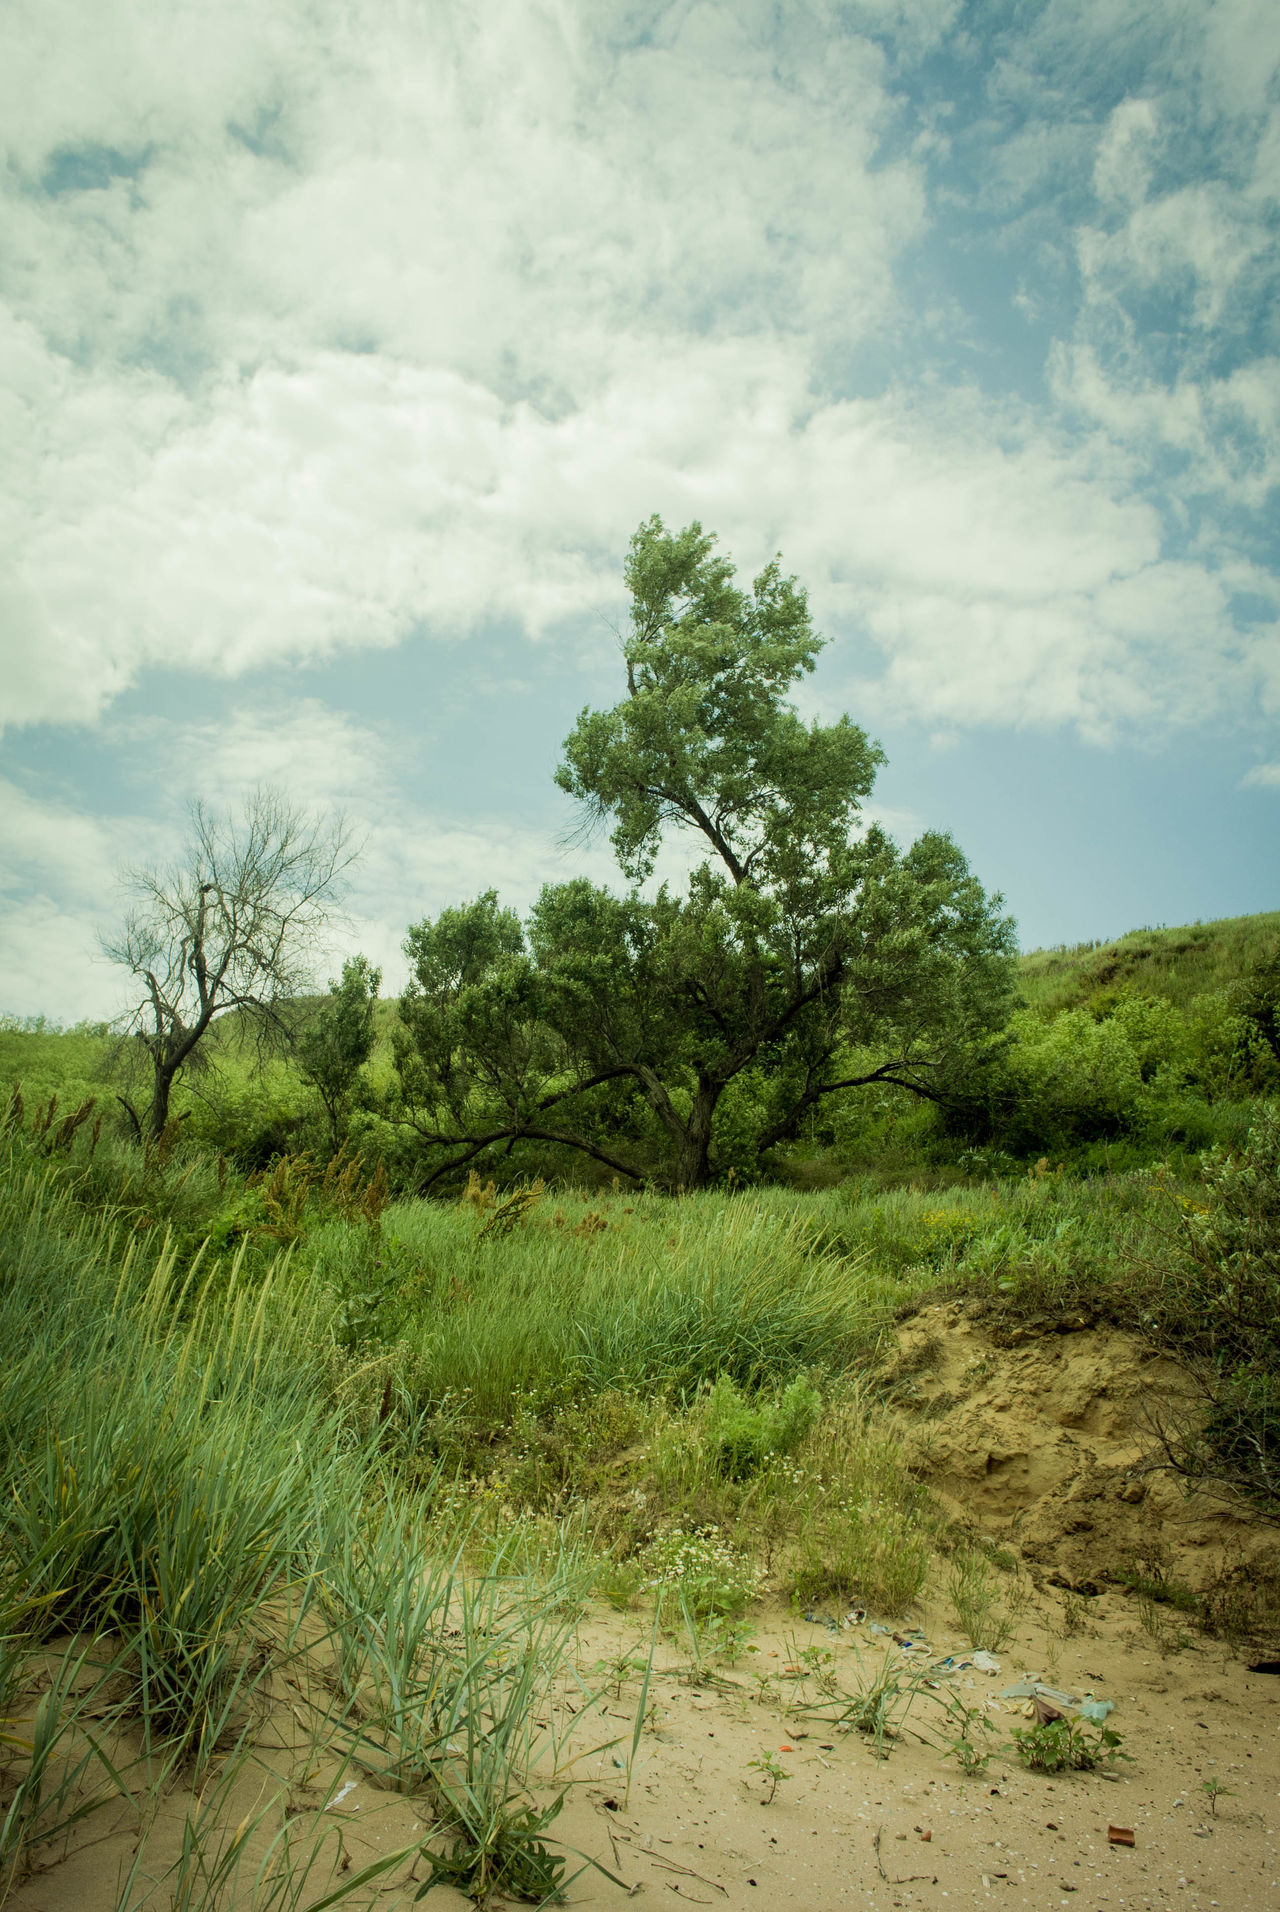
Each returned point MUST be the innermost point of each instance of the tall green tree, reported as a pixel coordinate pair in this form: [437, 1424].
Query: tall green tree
[337, 1041]
[806, 949]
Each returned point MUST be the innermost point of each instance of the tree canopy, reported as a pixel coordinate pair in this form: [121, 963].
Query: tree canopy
[806, 955]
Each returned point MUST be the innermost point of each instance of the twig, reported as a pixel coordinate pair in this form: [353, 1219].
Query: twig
[670, 1865]
[911, 1878]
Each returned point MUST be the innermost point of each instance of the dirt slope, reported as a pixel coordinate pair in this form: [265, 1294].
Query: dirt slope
[1046, 1441]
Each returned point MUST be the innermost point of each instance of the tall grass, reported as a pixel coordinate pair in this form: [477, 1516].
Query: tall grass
[629, 1294]
[181, 1497]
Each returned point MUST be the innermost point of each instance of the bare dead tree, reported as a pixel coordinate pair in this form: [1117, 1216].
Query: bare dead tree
[233, 926]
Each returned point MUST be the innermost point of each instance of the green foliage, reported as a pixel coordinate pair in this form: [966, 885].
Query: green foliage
[503, 1853]
[986, 1613]
[742, 1435]
[610, 1021]
[1181, 965]
[879, 1704]
[971, 1742]
[183, 1492]
[770, 1768]
[1226, 1293]
[704, 737]
[337, 1041]
[1068, 1746]
[705, 1577]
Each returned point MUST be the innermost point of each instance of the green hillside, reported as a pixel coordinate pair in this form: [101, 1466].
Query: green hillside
[1178, 965]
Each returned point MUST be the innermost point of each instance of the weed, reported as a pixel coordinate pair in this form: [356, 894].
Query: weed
[622, 1667]
[970, 1742]
[504, 1851]
[67, 1774]
[1214, 1790]
[1151, 1582]
[1064, 1746]
[987, 1615]
[712, 1579]
[766, 1693]
[770, 1768]
[819, 1663]
[1156, 1623]
[509, 1215]
[1075, 1615]
[880, 1705]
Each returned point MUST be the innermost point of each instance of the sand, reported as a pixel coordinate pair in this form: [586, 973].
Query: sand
[1040, 1444]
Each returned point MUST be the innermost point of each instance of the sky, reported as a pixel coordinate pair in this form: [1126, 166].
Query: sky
[345, 343]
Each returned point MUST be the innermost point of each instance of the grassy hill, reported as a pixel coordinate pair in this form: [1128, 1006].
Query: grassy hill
[1179, 965]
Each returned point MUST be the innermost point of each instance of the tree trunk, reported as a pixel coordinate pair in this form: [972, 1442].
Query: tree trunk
[693, 1158]
[159, 1115]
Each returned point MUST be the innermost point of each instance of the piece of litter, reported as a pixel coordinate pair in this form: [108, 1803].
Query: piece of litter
[1120, 1836]
[986, 1662]
[339, 1797]
[1029, 1689]
[1095, 1711]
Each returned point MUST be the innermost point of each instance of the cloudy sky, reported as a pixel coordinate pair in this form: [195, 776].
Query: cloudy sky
[345, 342]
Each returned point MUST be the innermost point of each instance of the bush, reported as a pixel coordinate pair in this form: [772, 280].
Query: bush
[1222, 1302]
[741, 1435]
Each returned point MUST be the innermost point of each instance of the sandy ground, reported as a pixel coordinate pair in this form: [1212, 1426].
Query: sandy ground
[1036, 1441]
[696, 1827]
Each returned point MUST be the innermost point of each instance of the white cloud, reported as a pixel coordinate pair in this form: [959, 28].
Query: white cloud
[1263, 776]
[329, 322]
[55, 870]
[270, 402]
[348, 500]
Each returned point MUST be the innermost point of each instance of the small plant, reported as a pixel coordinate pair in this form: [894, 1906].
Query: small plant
[744, 1435]
[506, 1853]
[769, 1767]
[620, 1669]
[1075, 1613]
[1160, 1628]
[63, 1759]
[819, 1664]
[1214, 1790]
[509, 1215]
[1067, 1746]
[730, 1639]
[987, 1618]
[970, 1745]
[879, 1707]
[708, 1574]
[972, 1759]
[1151, 1582]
